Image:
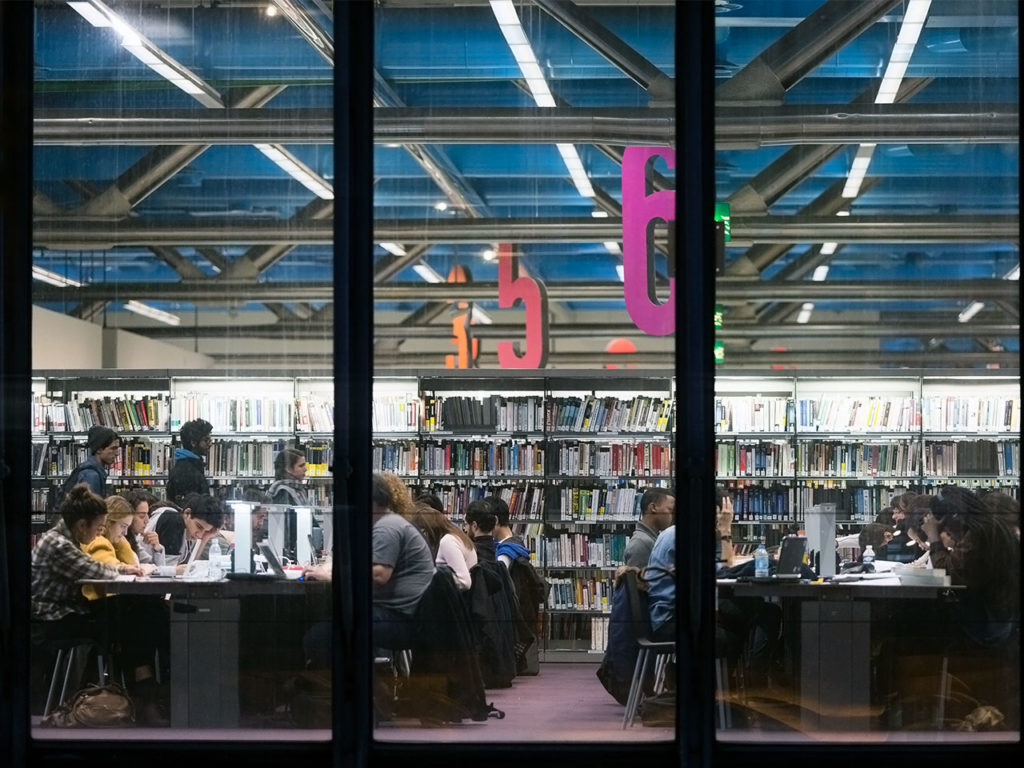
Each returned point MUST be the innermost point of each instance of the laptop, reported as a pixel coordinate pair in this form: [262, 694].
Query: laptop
[273, 563]
[791, 558]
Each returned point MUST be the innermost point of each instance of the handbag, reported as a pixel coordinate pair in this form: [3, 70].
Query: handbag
[97, 706]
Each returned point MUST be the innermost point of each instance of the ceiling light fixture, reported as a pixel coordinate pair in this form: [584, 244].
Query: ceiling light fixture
[827, 249]
[481, 317]
[298, 170]
[805, 313]
[52, 278]
[970, 311]
[393, 248]
[152, 312]
[98, 14]
[488, 254]
[599, 214]
[621, 272]
[613, 247]
[1013, 274]
[270, 10]
[820, 273]
[441, 206]
[427, 273]
[512, 30]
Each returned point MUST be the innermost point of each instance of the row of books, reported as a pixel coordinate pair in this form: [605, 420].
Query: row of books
[576, 501]
[243, 458]
[137, 458]
[855, 459]
[949, 413]
[400, 457]
[491, 413]
[468, 458]
[314, 414]
[397, 413]
[1000, 458]
[580, 593]
[577, 631]
[610, 414]
[234, 414]
[123, 414]
[636, 459]
[754, 503]
[764, 459]
[858, 414]
[859, 504]
[525, 501]
[753, 413]
[573, 550]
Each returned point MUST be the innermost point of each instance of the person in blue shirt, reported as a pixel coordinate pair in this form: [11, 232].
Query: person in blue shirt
[661, 585]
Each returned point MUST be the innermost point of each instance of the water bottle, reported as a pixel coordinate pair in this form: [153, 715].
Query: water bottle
[214, 558]
[761, 562]
[868, 558]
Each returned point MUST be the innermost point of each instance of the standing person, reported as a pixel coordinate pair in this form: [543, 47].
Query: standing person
[289, 476]
[657, 510]
[103, 445]
[188, 475]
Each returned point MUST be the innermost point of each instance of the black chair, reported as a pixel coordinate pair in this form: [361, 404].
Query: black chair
[650, 650]
[71, 656]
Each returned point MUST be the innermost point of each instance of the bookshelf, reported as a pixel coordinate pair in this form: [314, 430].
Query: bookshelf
[569, 452]
[789, 441]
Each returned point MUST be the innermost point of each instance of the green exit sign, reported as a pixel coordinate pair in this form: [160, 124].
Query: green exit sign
[719, 352]
[719, 314]
[724, 215]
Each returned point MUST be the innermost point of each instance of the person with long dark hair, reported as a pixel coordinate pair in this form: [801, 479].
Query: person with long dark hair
[449, 545]
[289, 475]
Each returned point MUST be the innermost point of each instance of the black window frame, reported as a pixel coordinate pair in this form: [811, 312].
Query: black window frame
[353, 743]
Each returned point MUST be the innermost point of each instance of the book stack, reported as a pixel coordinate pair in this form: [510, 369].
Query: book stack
[234, 414]
[580, 593]
[839, 413]
[753, 413]
[316, 414]
[580, 550]
[761, 459]
[952, 413]
[596, 503]
[400, 457]
[395, 413]
[610, 414]
[473, 458]
[627, 459]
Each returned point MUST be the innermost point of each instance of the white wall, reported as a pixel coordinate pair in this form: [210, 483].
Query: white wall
[60, 342]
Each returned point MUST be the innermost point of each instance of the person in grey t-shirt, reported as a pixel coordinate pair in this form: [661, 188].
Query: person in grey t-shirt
[402, 570]
[657, 510]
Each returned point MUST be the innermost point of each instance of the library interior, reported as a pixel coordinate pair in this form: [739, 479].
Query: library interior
[532, 428]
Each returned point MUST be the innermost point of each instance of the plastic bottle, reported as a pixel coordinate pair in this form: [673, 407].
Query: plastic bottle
[214, 558]
[867, 559]
[761, 562]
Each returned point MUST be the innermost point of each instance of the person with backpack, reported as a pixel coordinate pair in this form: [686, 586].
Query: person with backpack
[103, 445]
[188, 475]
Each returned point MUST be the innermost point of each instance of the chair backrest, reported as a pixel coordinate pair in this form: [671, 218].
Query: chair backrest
[639, 618]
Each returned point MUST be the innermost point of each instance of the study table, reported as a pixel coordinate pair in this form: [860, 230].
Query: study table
[205, 631]
[833, 637]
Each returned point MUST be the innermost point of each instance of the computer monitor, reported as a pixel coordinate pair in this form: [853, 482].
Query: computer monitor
[272, 558]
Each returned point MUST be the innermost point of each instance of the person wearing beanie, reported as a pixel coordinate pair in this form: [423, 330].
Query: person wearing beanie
[188, 475]
[103, 445]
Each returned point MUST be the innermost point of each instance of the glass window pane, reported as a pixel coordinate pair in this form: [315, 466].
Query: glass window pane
[523, 352]
[868, 395]
[182, 321]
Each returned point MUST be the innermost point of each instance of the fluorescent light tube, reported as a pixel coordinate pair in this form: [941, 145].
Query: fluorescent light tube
[820, 272]
[152, 312]
[480, 316]
[505, 12]
[297, 170]
[393, 248]
[1013, 274]
[805, 313]
[827, 249]
[91, 13]
[613, 247]
[971, 310]
[52, 278]
[428, 274]
[621, 272]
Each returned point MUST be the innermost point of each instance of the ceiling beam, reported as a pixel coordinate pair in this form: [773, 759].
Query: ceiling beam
[726, 290]
[801, 50]
[624, 57]
[67, 234]
[735, 128]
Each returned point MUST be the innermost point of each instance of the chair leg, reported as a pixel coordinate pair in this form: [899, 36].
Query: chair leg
[722, 683]
[635, 685]
[57, 670]
[940, 712]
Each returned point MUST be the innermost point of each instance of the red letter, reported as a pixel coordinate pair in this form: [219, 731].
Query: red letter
[512, 289]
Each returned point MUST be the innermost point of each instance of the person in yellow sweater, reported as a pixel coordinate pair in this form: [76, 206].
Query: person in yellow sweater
[142, 621]
[112, 546]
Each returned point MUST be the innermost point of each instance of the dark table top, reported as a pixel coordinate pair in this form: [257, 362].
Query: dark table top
[184, 588]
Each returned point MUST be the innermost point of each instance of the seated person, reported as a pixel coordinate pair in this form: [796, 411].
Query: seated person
[449, 545]
[660, 574]
[480, 522]
[146, 546]
[183, 535]
[877, 536]
[111, 543]
[402, 570]
[657, 508]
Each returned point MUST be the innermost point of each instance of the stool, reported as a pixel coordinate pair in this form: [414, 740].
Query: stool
[72, 652]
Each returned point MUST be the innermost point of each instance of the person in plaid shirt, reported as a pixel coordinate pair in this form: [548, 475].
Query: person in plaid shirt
[58, 563]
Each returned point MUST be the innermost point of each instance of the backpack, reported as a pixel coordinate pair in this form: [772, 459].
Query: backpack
[531, 587]
[532, 591]
[58, 496]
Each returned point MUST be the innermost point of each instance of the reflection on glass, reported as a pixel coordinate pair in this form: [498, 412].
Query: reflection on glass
[867, 405]
[178, 374]
[524, 403]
